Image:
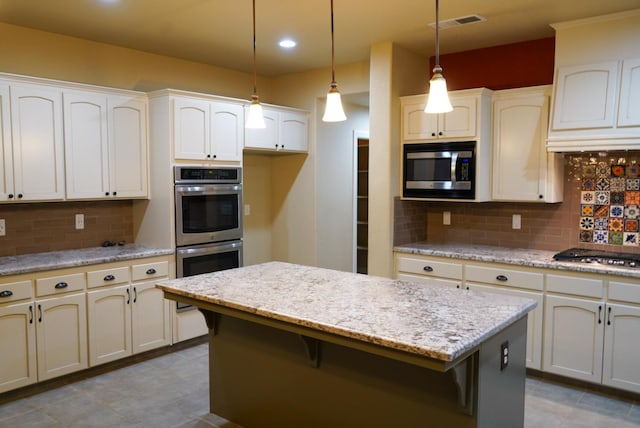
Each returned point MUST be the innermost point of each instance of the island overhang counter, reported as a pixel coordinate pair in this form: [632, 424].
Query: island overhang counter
[293, 346]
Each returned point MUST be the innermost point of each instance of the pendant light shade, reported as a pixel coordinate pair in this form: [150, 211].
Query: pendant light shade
[438, 99]
[333, 110]
[255, 117]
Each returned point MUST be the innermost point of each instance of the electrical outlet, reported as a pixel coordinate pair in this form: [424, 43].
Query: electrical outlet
[79, 221]
[516, 221]
[3, 227]
[446, 218]
[247, 209]
[504, 355]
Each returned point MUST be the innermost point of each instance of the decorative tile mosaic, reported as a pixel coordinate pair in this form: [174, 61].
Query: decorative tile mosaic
[610, 202]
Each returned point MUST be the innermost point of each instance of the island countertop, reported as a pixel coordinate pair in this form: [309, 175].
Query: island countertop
[436, 322]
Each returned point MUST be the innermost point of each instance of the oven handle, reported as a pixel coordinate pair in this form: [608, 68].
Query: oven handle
[208, 189]
[209, 249]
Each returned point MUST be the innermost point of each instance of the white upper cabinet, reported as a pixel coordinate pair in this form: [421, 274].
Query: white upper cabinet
[6, 152]
[286, 131]
[207, 130]
[37, 143]
[523, 171]
[596, 99]
[629, 106]
[469, 108]
[105, 145]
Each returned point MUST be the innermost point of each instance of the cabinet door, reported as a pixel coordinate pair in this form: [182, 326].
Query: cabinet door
[534, 320]
[461, 122]
[151, 317]
[61, 335]
[573, 338]
[38, 154]
[127, 121]
[227, 131]
[109, 315]
[86, 145]
[6, 152]
[294, 129]
[18, 343]
[519, 152]
[585, 96]
[266, 138]
[191, 134]
[629, 107]
[416, 124]
[621, 365]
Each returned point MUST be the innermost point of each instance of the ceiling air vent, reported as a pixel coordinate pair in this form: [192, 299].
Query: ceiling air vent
[455, 22]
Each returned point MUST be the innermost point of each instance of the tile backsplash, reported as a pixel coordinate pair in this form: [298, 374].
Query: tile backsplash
[605, 218]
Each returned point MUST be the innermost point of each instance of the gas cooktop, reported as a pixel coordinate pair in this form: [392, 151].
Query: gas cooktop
[581, 255]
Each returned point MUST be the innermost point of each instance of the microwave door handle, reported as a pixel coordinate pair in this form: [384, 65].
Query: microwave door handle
[454, 165]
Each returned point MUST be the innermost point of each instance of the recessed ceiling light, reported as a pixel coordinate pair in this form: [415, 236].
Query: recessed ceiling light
[287, 43]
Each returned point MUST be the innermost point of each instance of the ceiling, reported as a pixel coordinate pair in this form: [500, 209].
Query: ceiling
[219, 32]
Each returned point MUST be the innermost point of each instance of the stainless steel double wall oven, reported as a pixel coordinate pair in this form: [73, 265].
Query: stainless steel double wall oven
[208, 204]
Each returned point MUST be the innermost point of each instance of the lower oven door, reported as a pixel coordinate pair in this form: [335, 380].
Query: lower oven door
[207, 258]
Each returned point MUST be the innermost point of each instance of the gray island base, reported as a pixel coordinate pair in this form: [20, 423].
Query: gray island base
[296, 346]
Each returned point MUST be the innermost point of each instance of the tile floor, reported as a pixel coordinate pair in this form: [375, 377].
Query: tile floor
[172, 391]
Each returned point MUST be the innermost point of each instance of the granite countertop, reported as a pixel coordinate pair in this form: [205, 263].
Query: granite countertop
[27, 263]
[512, 256]
[437, 322]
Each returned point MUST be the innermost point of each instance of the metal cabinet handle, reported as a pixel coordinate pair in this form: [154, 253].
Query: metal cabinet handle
[61, 285]
[39, 313]
[6, 293]
[427, 269]
[128, 296]
[109, 278]
[609, 316]
[600, 314]
[30, 314]
[502, 278]
[151, 271]
[135, 295]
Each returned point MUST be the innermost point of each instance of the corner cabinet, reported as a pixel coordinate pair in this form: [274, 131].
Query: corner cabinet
[523, 171]
[471, 113]
[105, 145]
[33, 158]
[286, 132]
[207, 130]
[596, 106]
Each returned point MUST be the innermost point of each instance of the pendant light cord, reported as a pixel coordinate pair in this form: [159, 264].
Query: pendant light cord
[437, 65]
[333, 51]
[255, 79]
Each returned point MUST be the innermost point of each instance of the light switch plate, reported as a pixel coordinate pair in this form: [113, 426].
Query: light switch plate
[79, 221]
[3, 227]
[516, 221]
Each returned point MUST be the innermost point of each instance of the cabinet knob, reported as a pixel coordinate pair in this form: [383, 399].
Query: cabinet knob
[109, 278]
[151, 271]
[19, 195]
[208, 156]
[106, 193]
[540, 196]
[10, 195]
[440, 133]
[61, 285]
[433, 134]
[6, 293]
[427, 269]
[502, 278]
[115, 193]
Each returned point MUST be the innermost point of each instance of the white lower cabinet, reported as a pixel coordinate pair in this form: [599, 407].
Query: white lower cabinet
[621, 358]
[18, 344]
[127, 317]
[61, 335]
[429, 270]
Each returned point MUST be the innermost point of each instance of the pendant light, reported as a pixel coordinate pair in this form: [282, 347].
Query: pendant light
[255, 118]
[438, 100]
[333, 111]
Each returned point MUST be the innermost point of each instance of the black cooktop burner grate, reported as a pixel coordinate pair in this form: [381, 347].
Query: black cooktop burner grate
[583, 255]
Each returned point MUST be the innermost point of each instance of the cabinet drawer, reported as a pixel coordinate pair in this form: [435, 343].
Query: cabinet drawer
[149, 270]
[100, 278]
[16, 291]
[60, 284]
[429, 267]
[624, 292]
[505, 277]
[579, 286]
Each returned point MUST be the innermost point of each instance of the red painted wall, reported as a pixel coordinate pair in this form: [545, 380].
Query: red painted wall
[500, 67]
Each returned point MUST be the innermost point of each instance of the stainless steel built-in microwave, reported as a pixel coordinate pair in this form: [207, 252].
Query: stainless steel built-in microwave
[439, 170]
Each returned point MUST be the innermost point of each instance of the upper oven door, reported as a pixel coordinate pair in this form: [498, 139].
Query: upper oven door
[208, 213]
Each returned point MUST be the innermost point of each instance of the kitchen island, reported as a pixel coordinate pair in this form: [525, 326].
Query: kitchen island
[298, 346]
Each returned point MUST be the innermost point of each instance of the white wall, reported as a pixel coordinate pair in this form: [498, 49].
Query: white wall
[335, 192]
